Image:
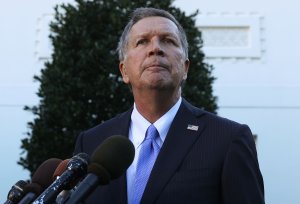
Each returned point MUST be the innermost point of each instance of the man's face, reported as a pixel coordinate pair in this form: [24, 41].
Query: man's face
[154, 57]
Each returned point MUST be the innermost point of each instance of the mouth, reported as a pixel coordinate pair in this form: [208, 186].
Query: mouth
[156, 67]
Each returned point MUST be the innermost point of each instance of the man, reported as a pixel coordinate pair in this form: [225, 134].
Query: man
[195, 156]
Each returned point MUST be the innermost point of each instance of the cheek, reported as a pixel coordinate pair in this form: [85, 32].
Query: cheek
[177, 56]
[135, 63]
[134, 59]
[132, 65]
[179, 68]
[179, 63]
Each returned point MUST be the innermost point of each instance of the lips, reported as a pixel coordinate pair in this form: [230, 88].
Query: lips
[156, 65]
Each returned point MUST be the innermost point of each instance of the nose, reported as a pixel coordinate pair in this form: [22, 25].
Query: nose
[156, 48]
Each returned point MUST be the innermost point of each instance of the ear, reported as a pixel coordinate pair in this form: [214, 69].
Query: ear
[123, 71]
[186, 67]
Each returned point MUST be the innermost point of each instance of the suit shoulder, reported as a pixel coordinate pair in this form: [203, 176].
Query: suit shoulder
[89, 139]
[210, 117]
[224, 127]
[111, 124]
[222, 120]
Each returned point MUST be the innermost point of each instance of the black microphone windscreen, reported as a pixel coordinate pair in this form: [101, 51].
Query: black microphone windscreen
[40, 180]
[115, 154]
[102, 174]
[43, 174]
[34, 188]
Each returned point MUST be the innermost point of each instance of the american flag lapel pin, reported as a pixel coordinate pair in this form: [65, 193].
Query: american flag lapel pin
[193, 127]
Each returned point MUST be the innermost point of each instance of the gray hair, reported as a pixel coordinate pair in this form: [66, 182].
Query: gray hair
[140, 13]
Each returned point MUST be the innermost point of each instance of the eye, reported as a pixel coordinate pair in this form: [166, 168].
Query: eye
[170, 41]
[141, 42]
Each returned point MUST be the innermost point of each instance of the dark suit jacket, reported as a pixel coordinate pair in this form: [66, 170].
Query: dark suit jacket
[213, 165]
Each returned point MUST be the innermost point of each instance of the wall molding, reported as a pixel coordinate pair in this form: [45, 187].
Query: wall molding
[232, 36]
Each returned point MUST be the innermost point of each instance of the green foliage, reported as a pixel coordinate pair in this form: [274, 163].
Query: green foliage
[81, 86]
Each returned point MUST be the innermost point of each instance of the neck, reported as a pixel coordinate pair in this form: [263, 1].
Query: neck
[155, 104]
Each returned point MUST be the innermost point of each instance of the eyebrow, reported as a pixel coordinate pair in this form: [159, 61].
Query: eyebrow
[164, 34]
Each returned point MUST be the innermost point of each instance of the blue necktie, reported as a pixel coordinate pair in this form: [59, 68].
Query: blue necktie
[148, 153]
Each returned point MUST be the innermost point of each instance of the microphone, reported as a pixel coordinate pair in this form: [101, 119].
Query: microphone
[61, 168]
[65, 194]
[41, 179]
[109, 161]
[16, 192]
[76, 168]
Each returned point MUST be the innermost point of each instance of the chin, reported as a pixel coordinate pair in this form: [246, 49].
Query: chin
[161, 86]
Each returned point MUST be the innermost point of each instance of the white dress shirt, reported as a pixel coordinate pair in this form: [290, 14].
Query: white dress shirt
[137, 131]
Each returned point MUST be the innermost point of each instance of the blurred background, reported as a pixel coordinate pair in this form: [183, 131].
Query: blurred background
[253, 46]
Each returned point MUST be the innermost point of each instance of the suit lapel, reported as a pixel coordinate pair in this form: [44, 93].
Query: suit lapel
[122, 128]
[122, 123]
[177, 144]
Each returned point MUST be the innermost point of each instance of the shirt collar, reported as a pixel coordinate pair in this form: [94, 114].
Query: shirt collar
[162, 124]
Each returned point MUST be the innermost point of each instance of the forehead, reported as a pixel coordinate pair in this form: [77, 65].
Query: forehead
[154, 25]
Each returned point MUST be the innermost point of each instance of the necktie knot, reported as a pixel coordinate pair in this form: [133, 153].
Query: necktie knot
[151, 133]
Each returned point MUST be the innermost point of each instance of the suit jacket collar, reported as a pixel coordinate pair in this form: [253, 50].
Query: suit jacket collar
[123, 122]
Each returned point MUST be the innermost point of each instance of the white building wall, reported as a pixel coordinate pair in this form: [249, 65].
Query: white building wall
[19, 33]
[260, 89]
[257, 79]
